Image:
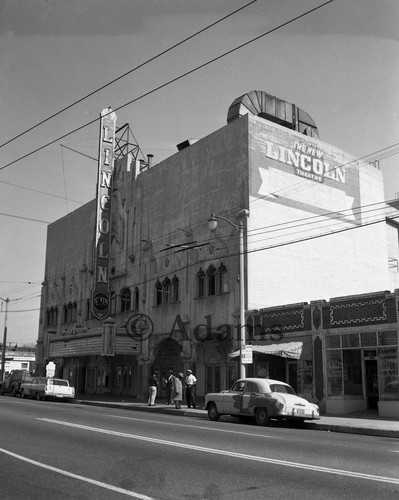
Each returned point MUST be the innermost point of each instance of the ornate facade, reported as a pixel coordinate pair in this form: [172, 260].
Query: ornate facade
[175, 285]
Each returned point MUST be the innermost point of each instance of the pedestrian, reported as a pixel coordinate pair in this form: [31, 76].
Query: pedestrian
[191, 382]
[177, 390]
[170, 380]
[152, 388]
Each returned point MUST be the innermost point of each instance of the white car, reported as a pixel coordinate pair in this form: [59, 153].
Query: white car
[47, 388]
[261, 398]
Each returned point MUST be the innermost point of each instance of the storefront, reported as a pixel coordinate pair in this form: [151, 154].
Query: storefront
[349, 356]
[362, 371]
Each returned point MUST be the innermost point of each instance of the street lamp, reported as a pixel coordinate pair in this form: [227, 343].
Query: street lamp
[3, 352]
[212, 223]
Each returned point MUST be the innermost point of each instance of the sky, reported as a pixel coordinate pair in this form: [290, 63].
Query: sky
[339, 63]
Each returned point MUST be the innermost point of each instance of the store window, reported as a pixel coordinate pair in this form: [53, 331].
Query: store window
[388, 374]
[334, 373]
[304, 374]
[352, 372]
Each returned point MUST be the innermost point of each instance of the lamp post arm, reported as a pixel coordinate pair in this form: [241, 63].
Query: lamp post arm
[216, 217]
[239, 226]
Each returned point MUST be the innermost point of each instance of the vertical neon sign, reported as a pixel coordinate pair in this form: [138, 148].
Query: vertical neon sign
[101, 292]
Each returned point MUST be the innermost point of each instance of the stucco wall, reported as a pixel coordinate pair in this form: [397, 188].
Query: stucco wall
[172, 203]
[286, 207]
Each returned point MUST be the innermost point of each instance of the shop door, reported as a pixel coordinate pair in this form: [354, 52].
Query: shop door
[213, 378]
[371, 383]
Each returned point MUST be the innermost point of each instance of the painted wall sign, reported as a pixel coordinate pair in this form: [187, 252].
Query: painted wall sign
[101, 294]
[329, 177]
[307, 161]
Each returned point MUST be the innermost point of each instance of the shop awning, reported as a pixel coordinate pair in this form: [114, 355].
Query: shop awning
[291, 350]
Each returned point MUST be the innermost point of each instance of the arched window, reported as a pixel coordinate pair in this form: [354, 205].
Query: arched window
[175, 289]
[201, 283]
[158, 293]
[167, 288]
[125, 299]
[48, 317]
[211, 280]
[113, 301]
[220, 278]
[88, 309]
[136, 297]
[65, 314]
[74, 312]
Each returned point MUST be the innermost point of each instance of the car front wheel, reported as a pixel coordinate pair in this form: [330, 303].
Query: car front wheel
[262, 417]
[213, 413]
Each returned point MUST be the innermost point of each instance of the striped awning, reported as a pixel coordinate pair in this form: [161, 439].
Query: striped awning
[291, 350]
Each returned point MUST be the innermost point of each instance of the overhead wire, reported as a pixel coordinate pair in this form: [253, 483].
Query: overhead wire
[46, 193]
[213, 61]
[198, 263]
[114, 80]
[173, 80]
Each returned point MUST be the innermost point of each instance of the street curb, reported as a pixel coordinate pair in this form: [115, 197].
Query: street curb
[317, 426]
[347, 429]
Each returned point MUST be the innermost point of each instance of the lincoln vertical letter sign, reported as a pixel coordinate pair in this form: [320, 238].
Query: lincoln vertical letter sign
[101, 294]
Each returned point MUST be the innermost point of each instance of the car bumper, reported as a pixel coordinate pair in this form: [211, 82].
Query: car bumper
[296, 414]
[58, 396]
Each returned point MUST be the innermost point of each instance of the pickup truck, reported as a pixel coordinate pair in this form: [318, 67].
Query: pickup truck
[47, 388]
[12, 383]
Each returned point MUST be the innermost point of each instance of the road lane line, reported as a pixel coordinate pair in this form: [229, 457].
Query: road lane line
[76, 476]
[197, 427]
[297, 465]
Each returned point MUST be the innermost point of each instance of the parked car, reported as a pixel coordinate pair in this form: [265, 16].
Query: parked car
[47, 388]
[261, 398]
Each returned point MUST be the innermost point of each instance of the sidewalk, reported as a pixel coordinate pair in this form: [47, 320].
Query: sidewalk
[366, 423]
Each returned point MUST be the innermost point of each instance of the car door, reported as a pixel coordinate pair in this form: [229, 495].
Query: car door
[232, 401]
[29, 387]
[248, 399]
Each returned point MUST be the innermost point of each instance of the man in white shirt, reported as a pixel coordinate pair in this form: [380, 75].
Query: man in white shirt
[191, 382]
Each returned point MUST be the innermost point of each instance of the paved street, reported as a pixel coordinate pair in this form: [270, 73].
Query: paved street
[367, 422]
[59, 450]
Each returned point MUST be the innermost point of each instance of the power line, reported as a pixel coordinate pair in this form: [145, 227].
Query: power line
[25, 218]
[173, 80]
[39, 192]
[78, 152]
[128, 73]
[198, 263]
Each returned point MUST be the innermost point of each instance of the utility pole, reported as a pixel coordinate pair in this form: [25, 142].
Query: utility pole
[3, 353]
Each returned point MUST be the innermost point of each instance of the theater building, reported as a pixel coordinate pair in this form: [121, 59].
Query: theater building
[136, 280]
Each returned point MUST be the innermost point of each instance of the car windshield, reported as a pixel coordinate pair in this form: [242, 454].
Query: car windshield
[285, 389]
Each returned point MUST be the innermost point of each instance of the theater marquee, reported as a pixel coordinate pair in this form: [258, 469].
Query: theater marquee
[101, 293]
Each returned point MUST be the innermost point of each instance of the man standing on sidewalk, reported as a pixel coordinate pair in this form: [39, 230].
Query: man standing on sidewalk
[152, 389]
[191, 382]
[169, 386]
